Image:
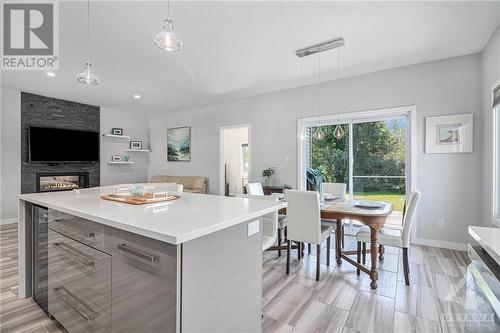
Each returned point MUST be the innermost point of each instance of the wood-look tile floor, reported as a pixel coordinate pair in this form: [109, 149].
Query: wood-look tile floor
[441, 294]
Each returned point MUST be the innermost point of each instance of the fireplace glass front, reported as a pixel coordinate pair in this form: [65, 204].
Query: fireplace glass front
[61, 182]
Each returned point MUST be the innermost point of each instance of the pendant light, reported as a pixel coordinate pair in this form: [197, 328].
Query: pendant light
[167, 39]
[338, 132]
[87, 77]
[319, 134]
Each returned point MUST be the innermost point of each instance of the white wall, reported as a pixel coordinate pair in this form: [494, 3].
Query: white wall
[134, 126]
[233, 138]
[450, 183]
[491, 75]
[10, 157]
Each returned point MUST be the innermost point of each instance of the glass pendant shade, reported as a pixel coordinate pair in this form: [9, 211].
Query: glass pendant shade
[319, 134]
[167, 39]
[87, 77]
[338, 132]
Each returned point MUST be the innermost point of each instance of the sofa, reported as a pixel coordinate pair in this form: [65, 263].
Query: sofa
[191, 184]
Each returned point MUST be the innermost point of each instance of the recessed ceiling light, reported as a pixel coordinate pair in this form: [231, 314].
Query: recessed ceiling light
[51, 74]
[137, 96]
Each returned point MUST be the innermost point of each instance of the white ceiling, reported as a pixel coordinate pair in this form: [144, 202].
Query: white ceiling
[236, 49]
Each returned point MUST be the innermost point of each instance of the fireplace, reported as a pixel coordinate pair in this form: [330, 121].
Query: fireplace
[50, 182]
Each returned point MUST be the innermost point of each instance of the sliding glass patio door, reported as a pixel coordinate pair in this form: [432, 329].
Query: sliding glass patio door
[379, 158]
[372, 158]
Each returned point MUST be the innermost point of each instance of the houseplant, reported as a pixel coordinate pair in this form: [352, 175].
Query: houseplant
[268, 174]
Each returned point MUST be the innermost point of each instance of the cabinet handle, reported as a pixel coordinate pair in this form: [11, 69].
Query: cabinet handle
[137, 253]
[88, 234]
[70, 299]
[75, 254]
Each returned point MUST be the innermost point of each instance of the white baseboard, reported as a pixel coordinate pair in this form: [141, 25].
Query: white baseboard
[442, 244]
[8, 221]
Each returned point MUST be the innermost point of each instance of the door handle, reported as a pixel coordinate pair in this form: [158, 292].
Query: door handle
[70, 299]
[138, 253]
[88, 234]
[74, 254]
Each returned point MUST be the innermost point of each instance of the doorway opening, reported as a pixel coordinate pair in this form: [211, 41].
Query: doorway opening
[234, 163]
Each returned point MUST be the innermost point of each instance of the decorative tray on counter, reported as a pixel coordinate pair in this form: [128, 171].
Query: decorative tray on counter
[146, 198]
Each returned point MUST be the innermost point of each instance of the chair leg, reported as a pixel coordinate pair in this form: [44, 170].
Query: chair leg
[286, 233]
[299, 249]
[318, 257]
[328, 251]
[406, 269]
[309, 248]
[358, 271]
[381, 251]
[288, 250]
[363, 252]
[343, 233]
[279, 242]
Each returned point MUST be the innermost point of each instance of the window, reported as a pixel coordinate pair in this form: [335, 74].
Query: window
[496, 156]
[373, 158]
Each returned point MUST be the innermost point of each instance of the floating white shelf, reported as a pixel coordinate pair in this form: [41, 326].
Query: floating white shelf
[116, 136]
[140, 150]
[121, 162]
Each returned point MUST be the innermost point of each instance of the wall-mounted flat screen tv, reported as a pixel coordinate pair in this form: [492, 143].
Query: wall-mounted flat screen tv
[56, 145]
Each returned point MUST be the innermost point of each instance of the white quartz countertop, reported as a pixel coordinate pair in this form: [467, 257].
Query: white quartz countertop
[179, 221]
[489, 239]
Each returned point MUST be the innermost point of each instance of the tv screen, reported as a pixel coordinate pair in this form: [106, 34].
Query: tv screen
[62, 145]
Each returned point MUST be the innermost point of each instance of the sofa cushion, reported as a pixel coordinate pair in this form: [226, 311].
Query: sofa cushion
[166, 179]
[193, 183]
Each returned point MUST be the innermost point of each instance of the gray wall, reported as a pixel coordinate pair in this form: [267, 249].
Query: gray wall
[45, 111]
[491, 75]
[450, 183]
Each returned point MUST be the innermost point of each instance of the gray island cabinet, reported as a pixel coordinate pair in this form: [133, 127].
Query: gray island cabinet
[192, 265]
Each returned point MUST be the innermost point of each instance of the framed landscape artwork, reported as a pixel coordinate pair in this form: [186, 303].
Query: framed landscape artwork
[449, 134]
[179, 144]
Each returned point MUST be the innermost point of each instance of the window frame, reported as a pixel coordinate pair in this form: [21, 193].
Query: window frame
[495, 190]
[362, 116]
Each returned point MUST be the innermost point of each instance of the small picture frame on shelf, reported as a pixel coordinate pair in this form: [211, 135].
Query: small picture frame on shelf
[116, 158]
[136, 145]
[117, 131]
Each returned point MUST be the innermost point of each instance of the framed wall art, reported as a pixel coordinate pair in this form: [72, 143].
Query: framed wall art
[449, 134]
[179, 144]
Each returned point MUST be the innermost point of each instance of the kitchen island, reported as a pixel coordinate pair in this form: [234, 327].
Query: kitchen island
[188, 265]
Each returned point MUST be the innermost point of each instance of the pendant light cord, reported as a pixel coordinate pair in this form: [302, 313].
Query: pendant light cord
[168, 8]
[88, 31]
[338, 85]
[319, 88]
[301, 84]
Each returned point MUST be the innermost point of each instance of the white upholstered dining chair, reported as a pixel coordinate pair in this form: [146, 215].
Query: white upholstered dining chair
[269, 223]
[254, 189]
[257, 190]
[393, 237]
[304, 225]
[338, 190]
